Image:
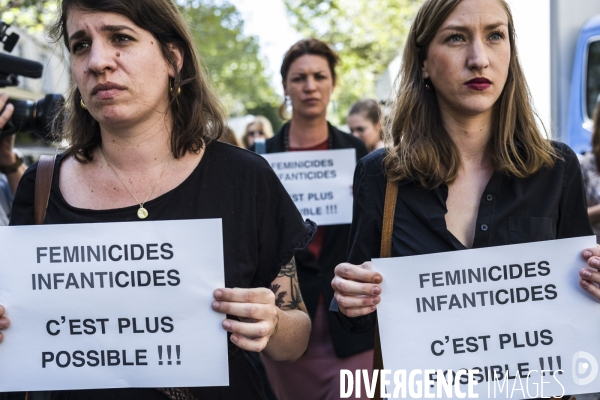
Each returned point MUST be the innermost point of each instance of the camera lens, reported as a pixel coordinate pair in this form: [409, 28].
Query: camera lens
[37, 116]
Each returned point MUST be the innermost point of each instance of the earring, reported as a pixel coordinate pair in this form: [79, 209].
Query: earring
[288, 102]
[171, 90]
[82, 104]
[427, 88]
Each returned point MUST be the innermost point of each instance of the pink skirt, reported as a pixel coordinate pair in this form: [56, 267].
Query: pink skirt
[315, 375]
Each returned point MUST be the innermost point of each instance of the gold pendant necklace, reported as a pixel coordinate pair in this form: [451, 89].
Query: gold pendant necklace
[142, 213]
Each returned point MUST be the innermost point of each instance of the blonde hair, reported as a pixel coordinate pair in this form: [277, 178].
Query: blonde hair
[264, 125]
[422, 149]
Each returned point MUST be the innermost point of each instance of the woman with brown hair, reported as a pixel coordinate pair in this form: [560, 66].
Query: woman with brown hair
[590, 166]
[309, 77]
[143, 127]
[471, 167]
[364, 122]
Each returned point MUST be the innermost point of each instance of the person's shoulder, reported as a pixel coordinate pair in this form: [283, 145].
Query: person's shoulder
[565, 156]
[563, 150]
[275, 144]
[229, 150]
[566, 164]
[373, 163]
[235, 156]
[30, 173]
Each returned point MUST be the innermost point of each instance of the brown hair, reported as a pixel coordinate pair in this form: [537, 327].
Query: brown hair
[422, 149]
[228, 136]
[305, 47]
[596, 135]
[198, 116]
[369, 108]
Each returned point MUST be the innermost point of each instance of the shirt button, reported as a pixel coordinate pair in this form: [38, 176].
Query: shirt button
[484, 227]
[489, 197]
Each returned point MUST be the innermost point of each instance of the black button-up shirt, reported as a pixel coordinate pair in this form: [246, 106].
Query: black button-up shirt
[547, 205]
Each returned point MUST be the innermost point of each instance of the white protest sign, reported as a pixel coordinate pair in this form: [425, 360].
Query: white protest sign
[512, 311]
[319, 182]
[112, 305]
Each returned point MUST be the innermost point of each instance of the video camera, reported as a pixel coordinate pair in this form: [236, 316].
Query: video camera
[28, 116]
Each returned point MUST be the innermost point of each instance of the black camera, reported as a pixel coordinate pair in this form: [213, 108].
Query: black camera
[36, 117]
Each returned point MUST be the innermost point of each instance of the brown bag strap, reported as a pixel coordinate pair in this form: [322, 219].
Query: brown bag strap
[387, 230]
[43, 184]
[389, 209]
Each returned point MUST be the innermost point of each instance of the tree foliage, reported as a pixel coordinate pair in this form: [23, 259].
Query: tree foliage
[33, 15]
[231, 59]
[367, 34]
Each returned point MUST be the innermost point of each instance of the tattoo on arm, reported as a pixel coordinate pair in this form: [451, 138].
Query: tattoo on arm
[282, 300]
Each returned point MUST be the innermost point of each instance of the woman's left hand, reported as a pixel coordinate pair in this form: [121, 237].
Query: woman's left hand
[590, 277]
[259, 316]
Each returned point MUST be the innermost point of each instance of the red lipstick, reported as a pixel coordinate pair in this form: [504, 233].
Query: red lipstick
[478, 84]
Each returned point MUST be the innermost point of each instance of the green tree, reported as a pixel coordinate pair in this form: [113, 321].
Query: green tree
[367, 34]
[33, 15]
[230, 58]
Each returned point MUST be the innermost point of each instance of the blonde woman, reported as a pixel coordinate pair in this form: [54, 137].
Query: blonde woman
[259, 128]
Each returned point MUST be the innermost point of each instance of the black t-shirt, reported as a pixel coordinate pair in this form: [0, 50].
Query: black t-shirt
[549, 204]
[262, 229]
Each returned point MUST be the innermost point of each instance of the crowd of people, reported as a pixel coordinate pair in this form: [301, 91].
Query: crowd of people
[460, 145]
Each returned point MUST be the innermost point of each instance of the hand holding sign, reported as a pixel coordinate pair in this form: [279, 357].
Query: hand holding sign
[514, 315]
[590, 277]
[356, 288]
[4, 322]
[258, 314]
[112, 305]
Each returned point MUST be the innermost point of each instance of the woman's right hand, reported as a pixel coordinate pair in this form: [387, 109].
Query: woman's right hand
[357, 289]
[4, 322]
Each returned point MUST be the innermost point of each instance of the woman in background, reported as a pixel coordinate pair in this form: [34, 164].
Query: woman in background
[259, 128]
[228, 136]
[308, 76]
[364, 122]
[590, 166]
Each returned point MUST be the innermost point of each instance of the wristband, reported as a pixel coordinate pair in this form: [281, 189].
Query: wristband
[11, 169]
